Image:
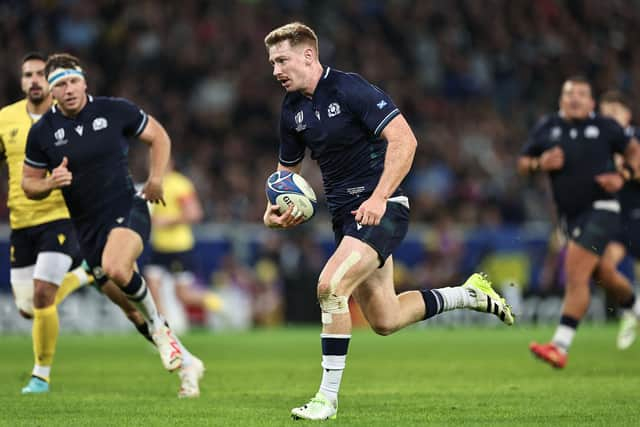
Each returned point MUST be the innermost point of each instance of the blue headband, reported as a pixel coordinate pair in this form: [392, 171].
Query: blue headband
[61, 73]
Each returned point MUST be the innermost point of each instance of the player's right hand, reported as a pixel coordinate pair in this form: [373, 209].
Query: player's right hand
[290, 218]
[552, 159]
[611, 182]
[61, 176]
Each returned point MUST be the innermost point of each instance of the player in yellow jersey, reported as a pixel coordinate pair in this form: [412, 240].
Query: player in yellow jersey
[42, 237]
[170, 272]
[43, 242]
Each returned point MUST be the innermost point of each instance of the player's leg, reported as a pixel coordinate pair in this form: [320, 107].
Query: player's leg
[73, 280]
[49, 272]
[188, 294]
[23, 255]
[580, 264]
[352, 262]
[77, 277]
[22, 287]
[626, 297]
[387, 312]
[120, 253]
[115, 294]
[608, 276]
[192, 369]
[122, 249]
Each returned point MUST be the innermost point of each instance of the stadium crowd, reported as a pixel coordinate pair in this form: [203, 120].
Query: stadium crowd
[471, 77]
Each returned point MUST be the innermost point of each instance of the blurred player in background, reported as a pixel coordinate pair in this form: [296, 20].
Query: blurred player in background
[170, 272]
[615, 105]
[83, 142]
[576, 146]
[43, 242]
[364, 148]
[41, 230]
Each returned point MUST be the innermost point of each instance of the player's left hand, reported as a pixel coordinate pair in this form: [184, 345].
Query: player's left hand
[371, 211]
[612, 182]
[152, 191]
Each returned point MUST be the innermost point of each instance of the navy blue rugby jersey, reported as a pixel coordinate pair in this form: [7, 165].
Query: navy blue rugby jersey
[629, 196]
[96, 143]
[341, 125]
[588, 147]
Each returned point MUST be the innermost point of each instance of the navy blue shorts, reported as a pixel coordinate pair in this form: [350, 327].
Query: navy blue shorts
[629, 234]
[383, 238]
[593, 229]
[55, 236]
[132, 213]
[175, 262]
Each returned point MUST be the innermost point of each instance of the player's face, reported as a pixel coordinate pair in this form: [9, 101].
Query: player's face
[616, 111]
[290, 65]
[576, 101]
[33, 82]
[71, 94]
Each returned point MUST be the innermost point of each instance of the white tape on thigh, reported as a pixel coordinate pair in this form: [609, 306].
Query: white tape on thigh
[337, 304]
[342, 269]
[22, 286]
[52, 266]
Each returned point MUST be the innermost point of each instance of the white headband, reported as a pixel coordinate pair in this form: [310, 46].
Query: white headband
[62, 73]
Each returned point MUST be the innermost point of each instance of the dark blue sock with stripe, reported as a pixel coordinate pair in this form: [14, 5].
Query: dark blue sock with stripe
[433, 302]
[137, 292]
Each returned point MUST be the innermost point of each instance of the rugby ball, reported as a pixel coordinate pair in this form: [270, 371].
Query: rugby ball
[286, 188]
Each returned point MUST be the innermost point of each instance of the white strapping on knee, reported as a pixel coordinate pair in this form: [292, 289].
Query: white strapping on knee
[51, 267]
[337, 304]
[22, 286]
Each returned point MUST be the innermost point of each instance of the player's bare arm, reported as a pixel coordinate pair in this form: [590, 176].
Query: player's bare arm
[631, 164]
[401, 149]
[37, 185]
[550, 160]
[156, 136]
[273, 218]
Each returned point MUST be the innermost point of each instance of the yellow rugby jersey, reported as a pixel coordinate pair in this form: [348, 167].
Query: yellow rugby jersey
[179, 237]
[15, 123]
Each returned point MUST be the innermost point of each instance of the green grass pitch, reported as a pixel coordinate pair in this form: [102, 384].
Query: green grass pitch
[421, 376]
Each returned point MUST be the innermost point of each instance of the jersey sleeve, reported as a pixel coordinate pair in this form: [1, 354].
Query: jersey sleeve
[34, 155]
[291, 147]
[620, 137]
[372, 106]
[535, 145]
[134, 119]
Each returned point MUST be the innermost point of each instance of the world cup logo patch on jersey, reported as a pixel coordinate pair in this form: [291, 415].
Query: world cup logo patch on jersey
[59, 136]
[333, 110]
[299, 117]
